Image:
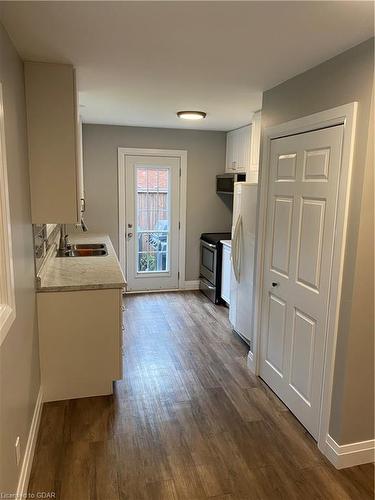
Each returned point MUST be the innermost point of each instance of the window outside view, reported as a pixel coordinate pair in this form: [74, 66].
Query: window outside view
[152, 219]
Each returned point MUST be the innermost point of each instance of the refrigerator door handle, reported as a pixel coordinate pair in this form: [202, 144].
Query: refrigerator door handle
[236, 246]
[233, 251]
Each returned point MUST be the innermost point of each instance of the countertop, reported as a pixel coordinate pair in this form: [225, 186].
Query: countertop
[227, 243]
[60, 274]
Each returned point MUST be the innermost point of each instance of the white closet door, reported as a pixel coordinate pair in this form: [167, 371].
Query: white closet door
[301, 214]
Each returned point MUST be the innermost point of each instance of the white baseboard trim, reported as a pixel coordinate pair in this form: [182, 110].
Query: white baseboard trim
[251, 362]
[23, 481]
[349, 455]
[159, 290]
[186, 285]
[191, 285]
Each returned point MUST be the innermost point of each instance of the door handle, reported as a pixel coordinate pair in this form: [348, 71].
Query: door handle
[130, 235]
[275, 284]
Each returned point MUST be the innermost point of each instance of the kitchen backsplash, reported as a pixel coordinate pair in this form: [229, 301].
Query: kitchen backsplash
[44, 236]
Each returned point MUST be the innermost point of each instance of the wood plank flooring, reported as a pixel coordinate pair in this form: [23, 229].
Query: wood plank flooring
[188, 421]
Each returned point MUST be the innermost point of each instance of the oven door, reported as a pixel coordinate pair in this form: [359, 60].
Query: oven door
[208, 261]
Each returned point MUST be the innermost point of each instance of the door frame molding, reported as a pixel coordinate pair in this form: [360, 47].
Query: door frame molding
[122, 153]
[341, 115]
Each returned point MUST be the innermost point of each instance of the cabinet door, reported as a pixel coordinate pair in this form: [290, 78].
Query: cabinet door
[252, 174]
[225, 275]
[79, 342]
[236, 154]
[119, 373]
[52, 136]
[238, 149]
[234, 151]
[81, 202]
[231, 153]
[255, 139]
[80, 184]
[244, 141]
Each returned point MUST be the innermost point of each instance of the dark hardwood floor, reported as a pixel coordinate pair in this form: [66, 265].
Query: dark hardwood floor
[188, 421]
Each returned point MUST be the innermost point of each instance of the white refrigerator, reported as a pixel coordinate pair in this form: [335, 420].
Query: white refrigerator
[243, 259]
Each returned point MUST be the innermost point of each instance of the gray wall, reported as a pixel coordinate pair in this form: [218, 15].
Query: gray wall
[206, 212]
[19, 362]
[343, 79]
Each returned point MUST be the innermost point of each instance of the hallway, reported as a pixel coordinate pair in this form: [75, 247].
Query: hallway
[188, 421]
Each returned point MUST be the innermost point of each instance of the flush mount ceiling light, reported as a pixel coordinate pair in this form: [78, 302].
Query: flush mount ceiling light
[192, 115]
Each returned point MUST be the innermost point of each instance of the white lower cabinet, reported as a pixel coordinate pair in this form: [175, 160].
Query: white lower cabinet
[80, 342]
[225, 274]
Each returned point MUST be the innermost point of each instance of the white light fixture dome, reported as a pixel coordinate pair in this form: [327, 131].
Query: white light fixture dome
[192, 115]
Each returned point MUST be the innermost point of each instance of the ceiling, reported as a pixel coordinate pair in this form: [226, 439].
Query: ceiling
[140, 62]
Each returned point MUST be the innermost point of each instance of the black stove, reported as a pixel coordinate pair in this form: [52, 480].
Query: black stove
[215, 237]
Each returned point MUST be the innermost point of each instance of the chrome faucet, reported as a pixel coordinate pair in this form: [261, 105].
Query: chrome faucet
[63, 244]
[83, 226]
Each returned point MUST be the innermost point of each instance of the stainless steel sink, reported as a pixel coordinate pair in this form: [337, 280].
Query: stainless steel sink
[84, 250]
[93, 246]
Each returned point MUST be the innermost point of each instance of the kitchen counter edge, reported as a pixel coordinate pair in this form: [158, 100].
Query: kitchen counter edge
[57, 272]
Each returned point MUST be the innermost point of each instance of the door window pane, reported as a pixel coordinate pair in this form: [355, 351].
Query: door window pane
[153, 219]
[152, 262]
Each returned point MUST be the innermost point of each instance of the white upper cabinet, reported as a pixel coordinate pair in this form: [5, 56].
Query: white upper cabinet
[243, 145]
[252, 172]
[55, 150]
[81, 183]
[238, 150]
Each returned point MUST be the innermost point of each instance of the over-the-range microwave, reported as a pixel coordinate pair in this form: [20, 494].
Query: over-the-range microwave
[225, 182]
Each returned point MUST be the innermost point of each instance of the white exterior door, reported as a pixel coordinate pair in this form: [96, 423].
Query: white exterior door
[304, 174]
[152, 222]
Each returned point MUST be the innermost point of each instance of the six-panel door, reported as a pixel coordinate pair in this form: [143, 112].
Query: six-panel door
[304, 173]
